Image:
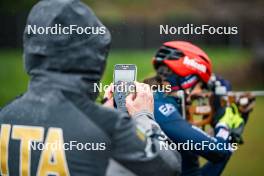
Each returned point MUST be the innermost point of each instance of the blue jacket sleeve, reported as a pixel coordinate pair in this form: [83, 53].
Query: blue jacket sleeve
[214, 169]
[180, 131]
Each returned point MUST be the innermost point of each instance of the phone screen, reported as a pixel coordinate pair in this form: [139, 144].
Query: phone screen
[127, 75]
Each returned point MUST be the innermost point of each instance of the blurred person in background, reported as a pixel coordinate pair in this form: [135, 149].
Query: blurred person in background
[59, 106]
[186, 67]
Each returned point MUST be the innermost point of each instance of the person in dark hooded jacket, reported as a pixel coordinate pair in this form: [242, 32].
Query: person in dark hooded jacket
[56, 128]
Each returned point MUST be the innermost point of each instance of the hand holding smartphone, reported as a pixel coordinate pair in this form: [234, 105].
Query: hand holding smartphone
[124, 78]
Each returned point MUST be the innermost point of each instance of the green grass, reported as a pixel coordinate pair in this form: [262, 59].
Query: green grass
[247, 160]
[13, 79]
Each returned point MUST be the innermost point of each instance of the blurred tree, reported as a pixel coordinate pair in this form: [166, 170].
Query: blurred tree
[15, 7]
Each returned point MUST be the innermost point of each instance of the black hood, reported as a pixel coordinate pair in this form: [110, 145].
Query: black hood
[73, 62]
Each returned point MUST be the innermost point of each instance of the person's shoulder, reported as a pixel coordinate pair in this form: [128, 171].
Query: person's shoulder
[160, 97]
[108, 118]
[224, 82]
[10, 106]
[165, 110]
[162, 100]
[110, 113]
[102, 116]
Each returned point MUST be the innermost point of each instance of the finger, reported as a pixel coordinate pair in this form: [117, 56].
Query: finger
[109, 91]
[129, 98]
[147, 91]
[109, 103]
[137, 84]
[141, 89]
[146, 87]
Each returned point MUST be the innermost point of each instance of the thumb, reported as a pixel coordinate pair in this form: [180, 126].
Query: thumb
[109, 103]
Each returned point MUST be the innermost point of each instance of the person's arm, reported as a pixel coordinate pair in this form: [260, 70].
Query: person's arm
[180, 131]
[234, 121]
[136, 143]
[214, 169]
[137, 147]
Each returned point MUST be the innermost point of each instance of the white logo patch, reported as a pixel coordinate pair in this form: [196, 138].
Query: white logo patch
[223, 133]
[192, 63]
[167, 109]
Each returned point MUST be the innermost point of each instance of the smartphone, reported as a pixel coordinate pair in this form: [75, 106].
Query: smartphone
[124, 77]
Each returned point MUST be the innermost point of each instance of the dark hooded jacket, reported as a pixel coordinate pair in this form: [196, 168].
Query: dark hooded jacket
[59, 106]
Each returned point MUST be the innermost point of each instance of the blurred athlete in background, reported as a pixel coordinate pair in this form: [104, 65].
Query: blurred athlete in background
[186, 67]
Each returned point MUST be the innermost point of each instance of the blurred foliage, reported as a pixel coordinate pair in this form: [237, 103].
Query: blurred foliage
[116, 10]
[15, 7]
[148, 10]
[155, 10]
